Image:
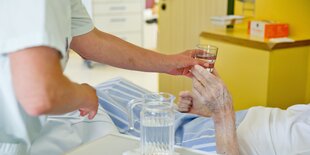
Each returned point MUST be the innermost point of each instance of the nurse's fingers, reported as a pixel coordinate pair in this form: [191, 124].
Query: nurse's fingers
[186, 70]
[83, 112]
[92, 114]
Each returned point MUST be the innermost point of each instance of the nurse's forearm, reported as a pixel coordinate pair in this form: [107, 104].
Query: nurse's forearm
[108, 49]
[39, 84]
[226, 136]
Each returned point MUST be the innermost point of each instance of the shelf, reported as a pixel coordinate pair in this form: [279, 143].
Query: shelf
[240, 37]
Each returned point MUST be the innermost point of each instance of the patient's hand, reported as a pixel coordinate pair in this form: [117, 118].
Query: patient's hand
[211, 91]
[188, 102]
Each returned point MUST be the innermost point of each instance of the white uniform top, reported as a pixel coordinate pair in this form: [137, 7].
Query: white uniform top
[24, 24]
[271, 131]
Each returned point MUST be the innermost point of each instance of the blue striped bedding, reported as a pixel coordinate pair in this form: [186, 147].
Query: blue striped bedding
[190, 130]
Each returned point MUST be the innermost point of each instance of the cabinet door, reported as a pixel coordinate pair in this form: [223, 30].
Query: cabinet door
[170, 40]
[123, 18]
[119, 23]
[117, 8]
[164, 26]
[182, 21]
[179, 26]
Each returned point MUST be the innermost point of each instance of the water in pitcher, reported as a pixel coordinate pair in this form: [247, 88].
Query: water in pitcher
[156, 123]
[159, 127]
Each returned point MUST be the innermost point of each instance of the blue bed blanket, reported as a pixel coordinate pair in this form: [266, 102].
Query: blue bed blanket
[191, 130]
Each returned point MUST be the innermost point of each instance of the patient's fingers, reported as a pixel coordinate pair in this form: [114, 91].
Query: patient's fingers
[214, 72]
[198, 75]
[197, 93]
[203, 75]
[185, 94]
[197, 85]
[184, 104]
[208, 80]
[185, 101]
[184, 109]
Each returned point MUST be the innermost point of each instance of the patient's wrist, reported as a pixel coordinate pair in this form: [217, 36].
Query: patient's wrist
[226, 113]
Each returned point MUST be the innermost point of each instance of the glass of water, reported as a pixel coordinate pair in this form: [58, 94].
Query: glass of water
[157, 123]
[207, 53]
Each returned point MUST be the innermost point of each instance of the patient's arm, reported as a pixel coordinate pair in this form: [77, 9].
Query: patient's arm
[213, 94]
[225, 128]
[224, 121]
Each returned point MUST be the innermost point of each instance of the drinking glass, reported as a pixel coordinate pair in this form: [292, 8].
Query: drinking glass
[207, 53]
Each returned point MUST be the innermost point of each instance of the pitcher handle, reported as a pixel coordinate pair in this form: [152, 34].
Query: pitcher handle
[130, 112]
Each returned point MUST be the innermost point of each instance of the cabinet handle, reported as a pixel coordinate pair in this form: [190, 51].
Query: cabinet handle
[117, 8]
[117, 20]
[164, 6]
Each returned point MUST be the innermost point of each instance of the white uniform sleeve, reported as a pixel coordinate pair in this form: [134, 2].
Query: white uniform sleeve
[33, 23]
[81, 23]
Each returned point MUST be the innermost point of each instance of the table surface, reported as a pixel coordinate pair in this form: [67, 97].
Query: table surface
[117, 144]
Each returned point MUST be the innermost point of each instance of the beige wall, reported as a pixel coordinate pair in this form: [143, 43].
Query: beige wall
[294, 12]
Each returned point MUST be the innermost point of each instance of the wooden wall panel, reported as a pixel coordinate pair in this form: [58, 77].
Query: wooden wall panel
[179, 28]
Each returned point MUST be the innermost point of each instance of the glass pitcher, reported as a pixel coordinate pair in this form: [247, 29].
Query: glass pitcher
[156, 123]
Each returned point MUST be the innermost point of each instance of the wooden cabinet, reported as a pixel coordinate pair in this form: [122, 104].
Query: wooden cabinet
[123, 18]
[179, 25]
[260, 73]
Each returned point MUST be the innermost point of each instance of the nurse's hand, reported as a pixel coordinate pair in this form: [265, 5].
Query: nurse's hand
[182, 63]
[90, 107]
[211, 91]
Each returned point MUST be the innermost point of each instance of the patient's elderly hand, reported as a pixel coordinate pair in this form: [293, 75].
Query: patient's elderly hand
[211, 90]
[188, 102]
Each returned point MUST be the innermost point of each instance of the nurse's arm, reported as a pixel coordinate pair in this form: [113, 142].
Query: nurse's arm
[108, 49]
[41, 87]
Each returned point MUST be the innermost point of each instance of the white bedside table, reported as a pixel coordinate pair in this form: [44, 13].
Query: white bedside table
[117, 144]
